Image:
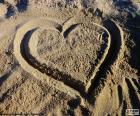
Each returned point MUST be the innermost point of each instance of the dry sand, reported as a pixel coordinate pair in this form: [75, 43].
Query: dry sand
[69, 57]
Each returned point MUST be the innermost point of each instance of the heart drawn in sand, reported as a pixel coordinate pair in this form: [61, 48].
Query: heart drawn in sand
[71, 52]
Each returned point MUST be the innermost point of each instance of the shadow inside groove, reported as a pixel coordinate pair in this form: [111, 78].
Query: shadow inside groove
[120, 95]
[134, 60]
[70, 29]
[137, 84]
[5, 76]
[132, 94]
[109, 60]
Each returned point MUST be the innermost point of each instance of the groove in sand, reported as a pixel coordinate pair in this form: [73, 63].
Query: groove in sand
[35, 67]
[114, 55]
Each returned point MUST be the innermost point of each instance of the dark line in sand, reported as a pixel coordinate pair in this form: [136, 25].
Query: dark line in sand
[6, 74]
[120, 95]
[112, 56]
[132, 95]
[12, 90]
[136, 84]
[70, 29]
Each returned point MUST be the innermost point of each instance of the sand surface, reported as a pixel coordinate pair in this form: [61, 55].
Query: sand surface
[69, 57]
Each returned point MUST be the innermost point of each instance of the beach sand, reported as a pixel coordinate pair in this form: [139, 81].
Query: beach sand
[69, 57]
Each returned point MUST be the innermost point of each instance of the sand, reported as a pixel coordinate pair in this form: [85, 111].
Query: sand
[78, 57]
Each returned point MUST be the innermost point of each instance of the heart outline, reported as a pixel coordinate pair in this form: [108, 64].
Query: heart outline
[17, 42]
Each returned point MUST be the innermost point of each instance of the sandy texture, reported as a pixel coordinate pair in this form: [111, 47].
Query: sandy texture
[3, 10]
[69, 57]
